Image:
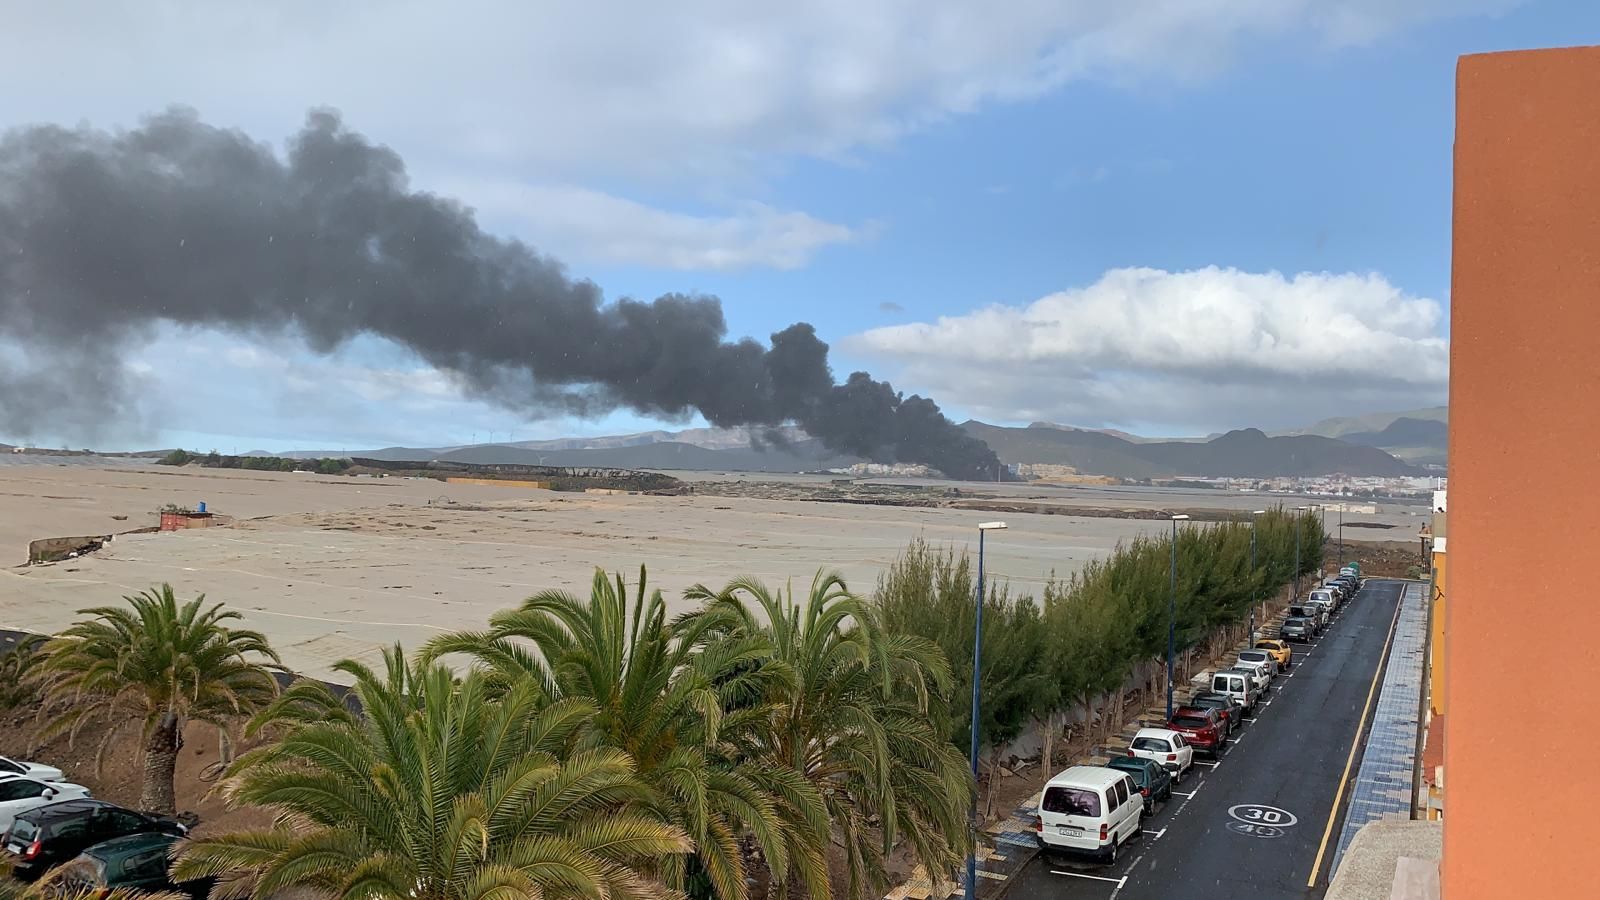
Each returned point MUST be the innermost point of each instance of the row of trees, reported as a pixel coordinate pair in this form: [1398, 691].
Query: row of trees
[326, 465]
[598, 747]
[1079, 644]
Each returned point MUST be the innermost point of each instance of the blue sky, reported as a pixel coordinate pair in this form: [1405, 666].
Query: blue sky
[888, 181]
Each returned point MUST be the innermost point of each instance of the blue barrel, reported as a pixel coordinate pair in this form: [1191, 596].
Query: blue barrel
[202, 506]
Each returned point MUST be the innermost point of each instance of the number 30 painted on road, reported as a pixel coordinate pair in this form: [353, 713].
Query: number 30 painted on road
[1256, 814]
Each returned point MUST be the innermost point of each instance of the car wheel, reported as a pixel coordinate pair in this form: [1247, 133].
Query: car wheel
[1149, 808]
[1111, 852]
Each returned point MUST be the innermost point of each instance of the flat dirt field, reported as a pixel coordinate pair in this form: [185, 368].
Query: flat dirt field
[333, 567]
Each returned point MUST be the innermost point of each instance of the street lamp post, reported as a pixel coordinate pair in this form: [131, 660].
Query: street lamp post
[1172, 612]
[977, 673]
[1253, 514]
[1341, 535]
[1297, 511]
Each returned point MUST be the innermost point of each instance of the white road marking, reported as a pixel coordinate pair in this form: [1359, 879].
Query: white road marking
[1156, 834]
[1201, 762]
[1119, 882]
[1237, 740]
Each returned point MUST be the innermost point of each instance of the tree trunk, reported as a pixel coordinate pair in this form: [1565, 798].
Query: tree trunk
[160, 759]
[1045, 761]
[994, 785]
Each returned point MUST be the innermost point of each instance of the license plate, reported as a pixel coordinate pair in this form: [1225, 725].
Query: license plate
[1068, 829]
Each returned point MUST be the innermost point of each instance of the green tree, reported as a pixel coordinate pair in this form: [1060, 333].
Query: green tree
[662, 692]
[863, 717]
[175, 458]
[16, 687]
[158, 664]
[442, 789]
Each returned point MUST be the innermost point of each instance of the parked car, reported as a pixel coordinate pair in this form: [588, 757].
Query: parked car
[1202, 728]
[1341, 591]
[1231, 710]
[43, 838]
[1298, 628]
[1324, 608]
[1327, 596]
[1313, 613]
[18, 794]
[1257, 672]
[9, 766]
[1279, 649]
[1352, 584]
[1268, 660]
[1152, 779]
[1089, 809]
[1165, 746]
[137, 862]
[1239, 687]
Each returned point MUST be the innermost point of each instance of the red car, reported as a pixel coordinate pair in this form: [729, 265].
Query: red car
[1201, 726]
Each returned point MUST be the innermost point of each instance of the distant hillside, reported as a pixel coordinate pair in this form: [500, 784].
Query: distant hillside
[1403, 432]
[1246, 453]
[803, 456]
[1420, 442]
[1372, 422]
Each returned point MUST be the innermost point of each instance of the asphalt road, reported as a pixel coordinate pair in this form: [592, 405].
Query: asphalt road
[1258, 820]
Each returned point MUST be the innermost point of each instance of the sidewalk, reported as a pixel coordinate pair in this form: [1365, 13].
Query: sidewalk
[1383, 788]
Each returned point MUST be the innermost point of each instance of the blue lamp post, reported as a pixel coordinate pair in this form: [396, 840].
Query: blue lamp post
[977, 673]
[1172, 612]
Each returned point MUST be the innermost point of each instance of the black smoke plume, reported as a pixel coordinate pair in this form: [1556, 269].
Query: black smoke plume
[103, 235]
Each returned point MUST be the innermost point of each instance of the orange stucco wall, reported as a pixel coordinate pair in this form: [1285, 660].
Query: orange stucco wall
[1523, 610]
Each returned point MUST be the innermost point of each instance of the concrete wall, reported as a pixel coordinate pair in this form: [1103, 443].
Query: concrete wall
[501, 482]
[51, 549]
[1525, 325]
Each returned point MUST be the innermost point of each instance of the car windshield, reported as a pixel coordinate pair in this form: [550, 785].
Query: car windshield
[7, 765]
[22, 830]
[1190, 721]
[1070, 801]
[1253, 656]
[1159, 745]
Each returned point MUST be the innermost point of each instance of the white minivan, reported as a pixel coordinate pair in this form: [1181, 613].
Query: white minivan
[1089, 809]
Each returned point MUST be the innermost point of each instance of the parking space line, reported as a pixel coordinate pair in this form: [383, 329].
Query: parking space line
[1119, 882]
[1154, 834]
[1202, 762]
[1237, 740]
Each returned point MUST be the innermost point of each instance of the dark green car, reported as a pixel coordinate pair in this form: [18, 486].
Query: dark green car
[1153, 779]
[137, 862]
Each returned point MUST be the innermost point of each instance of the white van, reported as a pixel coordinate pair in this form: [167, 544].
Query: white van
[1089, 809]
[1328, 596]
[1239, 687]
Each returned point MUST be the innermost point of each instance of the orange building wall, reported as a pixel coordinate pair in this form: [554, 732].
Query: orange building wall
[1522, 676]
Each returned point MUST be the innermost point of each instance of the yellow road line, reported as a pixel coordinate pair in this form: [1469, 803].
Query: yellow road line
[1355, 744]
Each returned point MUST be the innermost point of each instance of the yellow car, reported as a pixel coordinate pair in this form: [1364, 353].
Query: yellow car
[1279, 650]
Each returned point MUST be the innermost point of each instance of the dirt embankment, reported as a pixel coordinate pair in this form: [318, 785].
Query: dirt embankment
[118, 779]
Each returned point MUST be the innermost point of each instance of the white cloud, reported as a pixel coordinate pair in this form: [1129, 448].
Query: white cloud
[589, 226]
[1205, 348]
[702, 94]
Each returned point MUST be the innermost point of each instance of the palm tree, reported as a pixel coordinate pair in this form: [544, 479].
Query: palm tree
[861, 718]
[674, 696]
[441, 789]
[160, 664]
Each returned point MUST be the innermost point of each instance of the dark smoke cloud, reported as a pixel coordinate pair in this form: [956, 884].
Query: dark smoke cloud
[103, 236]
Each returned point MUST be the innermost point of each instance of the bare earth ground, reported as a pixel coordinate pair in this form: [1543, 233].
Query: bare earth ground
[333, 567]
